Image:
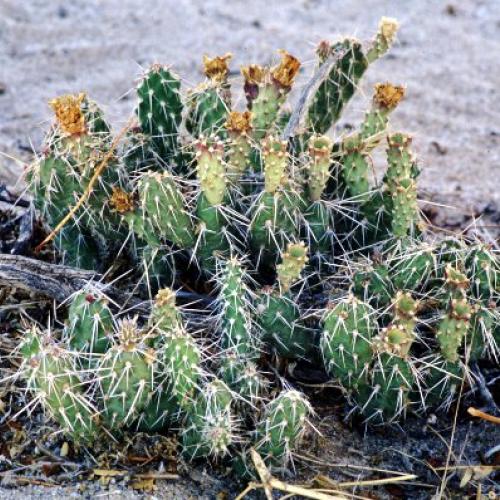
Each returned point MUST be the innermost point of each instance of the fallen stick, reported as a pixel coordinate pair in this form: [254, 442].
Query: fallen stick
[270, 483]
[301, 107]
[59, 282]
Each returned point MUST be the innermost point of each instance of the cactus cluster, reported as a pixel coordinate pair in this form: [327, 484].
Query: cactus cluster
[131, 375]
[268, 225]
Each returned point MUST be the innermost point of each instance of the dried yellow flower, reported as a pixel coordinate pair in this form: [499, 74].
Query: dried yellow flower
[388, 95]
[253, 74]
[69, 114]
[286, 70]
[388, 28]
[121, 201]
[239, 122]
[217, 68]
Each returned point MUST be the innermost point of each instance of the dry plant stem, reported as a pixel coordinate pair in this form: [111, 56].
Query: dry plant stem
[377, 482]
[481, 414]
[269, 483]
[98, 171]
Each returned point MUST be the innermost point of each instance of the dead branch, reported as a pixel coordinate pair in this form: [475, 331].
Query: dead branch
[58, 282]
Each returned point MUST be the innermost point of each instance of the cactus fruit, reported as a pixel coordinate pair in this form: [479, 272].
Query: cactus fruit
[385, 99]
[165, 316]
[238, 155]
[453, 328]
[293, 262]
[318, 169]
[386, 34]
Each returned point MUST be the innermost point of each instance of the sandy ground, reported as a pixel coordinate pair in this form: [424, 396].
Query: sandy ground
[447, 55]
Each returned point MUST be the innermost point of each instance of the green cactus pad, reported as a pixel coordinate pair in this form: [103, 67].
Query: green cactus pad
[413, 269]
[52, 376]
[404, 209]
[90, 323]
[279, 319]
[242, 377]
[373, 285]
[160, 109]
[235, 312]
[281, 428]
[355, 169]
[164, 206]
[125, 377]
[345, 342]
[338, 87]
[386, 398]
[484, 273]
[181, 360]
[209, 428]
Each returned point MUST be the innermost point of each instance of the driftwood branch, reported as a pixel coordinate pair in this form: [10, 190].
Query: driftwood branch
[303, 102]
[59, 282]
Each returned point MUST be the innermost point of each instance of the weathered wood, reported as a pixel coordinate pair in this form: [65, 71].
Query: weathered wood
[59, 282]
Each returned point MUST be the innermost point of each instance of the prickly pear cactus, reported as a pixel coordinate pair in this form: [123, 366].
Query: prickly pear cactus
[271, 249]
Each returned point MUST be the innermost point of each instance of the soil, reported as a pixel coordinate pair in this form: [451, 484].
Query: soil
[447, 55]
